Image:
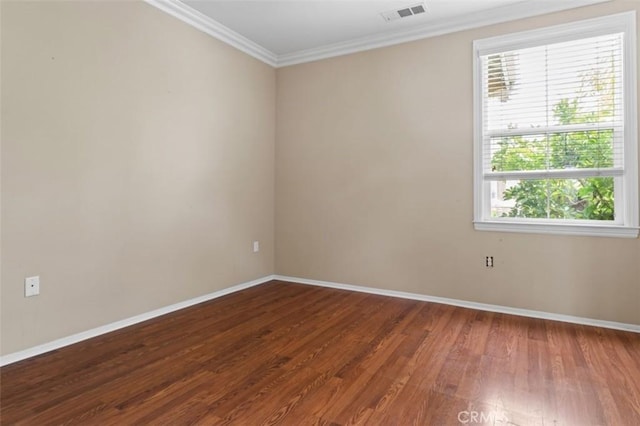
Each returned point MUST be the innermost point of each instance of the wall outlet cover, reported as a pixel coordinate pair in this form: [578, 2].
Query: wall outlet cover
[31, 286]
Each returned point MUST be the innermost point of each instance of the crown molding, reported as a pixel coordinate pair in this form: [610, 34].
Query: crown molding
[215, 29]
[519, 10]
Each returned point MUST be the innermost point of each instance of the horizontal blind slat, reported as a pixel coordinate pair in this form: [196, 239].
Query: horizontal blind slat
[568, 128]
[554, 174]
[554, 106]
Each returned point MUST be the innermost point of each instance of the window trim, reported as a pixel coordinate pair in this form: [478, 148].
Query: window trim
[626, 224]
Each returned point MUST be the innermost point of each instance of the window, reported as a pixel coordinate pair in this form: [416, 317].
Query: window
[556, 130]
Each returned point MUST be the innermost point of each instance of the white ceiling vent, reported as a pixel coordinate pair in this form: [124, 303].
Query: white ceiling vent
[405, 12]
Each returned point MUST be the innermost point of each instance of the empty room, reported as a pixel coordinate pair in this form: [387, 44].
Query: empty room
[319, 212]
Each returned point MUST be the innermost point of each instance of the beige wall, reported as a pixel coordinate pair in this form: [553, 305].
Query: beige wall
[137, 165]
[374, 186]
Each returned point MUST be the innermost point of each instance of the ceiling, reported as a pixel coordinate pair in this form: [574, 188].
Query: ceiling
[294, 31]
[285, 27]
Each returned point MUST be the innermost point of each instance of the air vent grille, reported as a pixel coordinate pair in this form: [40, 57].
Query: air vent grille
[405, 12]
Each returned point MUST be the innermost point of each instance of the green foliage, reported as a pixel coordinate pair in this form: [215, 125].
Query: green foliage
[587, 198]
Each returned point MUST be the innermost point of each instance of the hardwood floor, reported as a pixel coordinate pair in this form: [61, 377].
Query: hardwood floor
[284, 353]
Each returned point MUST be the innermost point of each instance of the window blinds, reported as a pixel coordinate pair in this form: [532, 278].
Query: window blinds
[554, 111]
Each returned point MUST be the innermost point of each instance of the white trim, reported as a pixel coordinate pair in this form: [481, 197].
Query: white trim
[557, 229]
[519, 10]
[631, 213]
[215, 29]
[626, 222]
[78, 337]
[575, 30]
[480, 19]
[98, 331]
[635, 328]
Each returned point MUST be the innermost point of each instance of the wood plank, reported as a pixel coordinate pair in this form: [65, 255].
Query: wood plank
[286, 353]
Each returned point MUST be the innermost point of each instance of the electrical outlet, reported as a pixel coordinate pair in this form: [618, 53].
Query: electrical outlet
[31, 286]
[488, 261]
[256, 246]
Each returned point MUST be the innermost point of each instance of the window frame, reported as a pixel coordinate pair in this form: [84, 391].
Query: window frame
[627, 209]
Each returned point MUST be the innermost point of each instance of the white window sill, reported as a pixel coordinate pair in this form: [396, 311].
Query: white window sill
[559, 229]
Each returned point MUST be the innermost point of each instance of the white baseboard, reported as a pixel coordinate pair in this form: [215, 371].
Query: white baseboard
[75, 338]
[466, 304]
